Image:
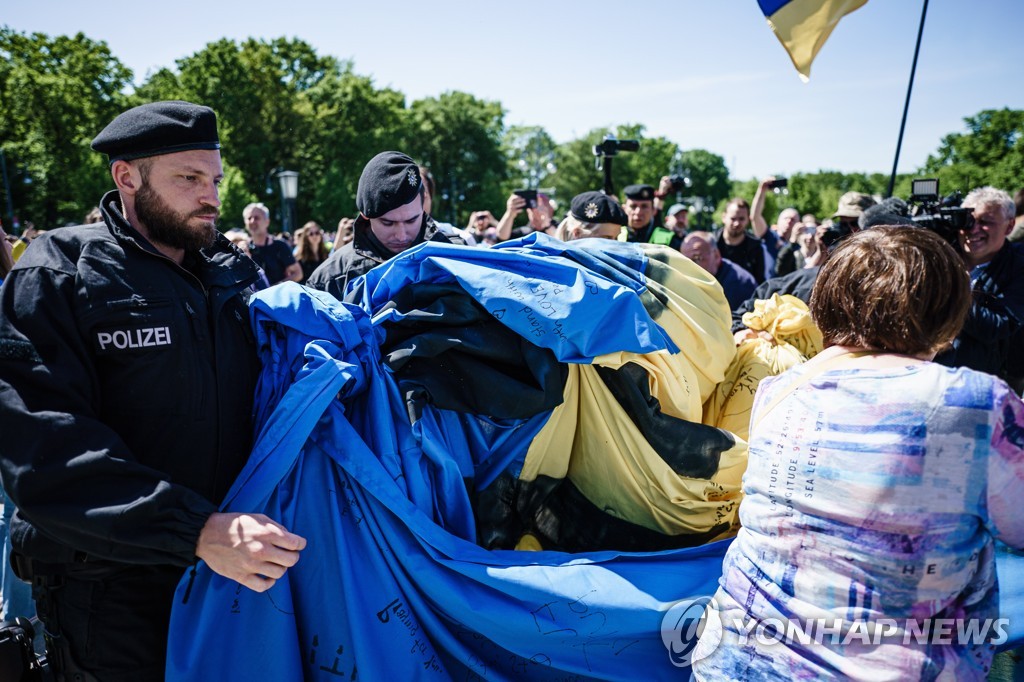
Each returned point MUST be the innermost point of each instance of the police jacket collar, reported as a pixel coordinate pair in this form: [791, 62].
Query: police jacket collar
[367, 245]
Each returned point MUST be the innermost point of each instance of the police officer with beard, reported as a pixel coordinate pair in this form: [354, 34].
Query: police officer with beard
[127, 369]
[391, 219]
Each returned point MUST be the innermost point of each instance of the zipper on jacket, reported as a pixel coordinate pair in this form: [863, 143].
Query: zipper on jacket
[188, 588]
[201, 337]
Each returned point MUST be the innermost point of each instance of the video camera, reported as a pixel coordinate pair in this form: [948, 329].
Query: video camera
[605, 153]
[942, 215]
[610, 146]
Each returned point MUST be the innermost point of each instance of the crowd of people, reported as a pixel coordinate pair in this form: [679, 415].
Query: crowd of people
[112, 487]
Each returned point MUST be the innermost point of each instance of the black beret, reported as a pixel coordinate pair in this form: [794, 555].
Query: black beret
[389, 180]
[595, 207]
[158, 128]
[639, 192]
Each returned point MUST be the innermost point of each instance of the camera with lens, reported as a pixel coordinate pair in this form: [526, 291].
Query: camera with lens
[833, 233]
[611, 146]
[942, 215]
[679, 182]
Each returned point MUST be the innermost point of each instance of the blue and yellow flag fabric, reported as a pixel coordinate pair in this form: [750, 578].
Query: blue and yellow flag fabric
[803, 26]
[406, 438]
[475, 404]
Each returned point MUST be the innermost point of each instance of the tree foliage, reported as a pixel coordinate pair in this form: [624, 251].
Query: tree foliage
[531, 154]
[991, 152]
[458, 137]
[817, 193]
[282, 105]
[351, 122]
[709, 176]
[57, 94]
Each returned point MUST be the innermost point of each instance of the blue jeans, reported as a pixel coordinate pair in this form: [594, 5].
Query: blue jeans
[17, 595]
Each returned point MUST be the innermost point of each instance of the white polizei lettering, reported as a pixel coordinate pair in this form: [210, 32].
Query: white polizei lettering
[147, 337]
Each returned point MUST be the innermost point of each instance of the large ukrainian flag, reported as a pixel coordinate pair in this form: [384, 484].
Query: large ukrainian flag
[803, 26]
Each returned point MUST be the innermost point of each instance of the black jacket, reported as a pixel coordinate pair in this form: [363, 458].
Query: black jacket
[995, 320]
[362, 254]
[126, 386]
[798, 283]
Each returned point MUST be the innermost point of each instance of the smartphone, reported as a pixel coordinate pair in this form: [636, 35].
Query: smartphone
[779, 183]
[529, 194]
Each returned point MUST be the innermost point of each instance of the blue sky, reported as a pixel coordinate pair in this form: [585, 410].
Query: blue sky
[704, 73]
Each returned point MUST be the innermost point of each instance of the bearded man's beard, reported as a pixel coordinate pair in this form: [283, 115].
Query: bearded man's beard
[168, 227]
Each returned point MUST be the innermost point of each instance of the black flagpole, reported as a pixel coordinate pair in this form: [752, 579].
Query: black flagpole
[906, 106]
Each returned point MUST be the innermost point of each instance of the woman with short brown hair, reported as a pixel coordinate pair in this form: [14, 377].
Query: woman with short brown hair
[901, 290]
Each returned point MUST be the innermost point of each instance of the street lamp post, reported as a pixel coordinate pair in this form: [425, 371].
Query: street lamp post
[289, 181]
[7, 191]
[704, 209]
[453, 195]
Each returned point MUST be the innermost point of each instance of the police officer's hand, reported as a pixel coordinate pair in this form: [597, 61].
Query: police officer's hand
[251, 549]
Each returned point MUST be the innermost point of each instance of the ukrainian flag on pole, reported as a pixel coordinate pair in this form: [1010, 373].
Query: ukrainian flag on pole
[803, 26]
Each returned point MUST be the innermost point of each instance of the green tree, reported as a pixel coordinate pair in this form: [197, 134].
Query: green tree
[280, 105]
[991, 152]
[459, 138]
[531, 155]
[709, 176]
[57, 94]
[818, 193]
[709, 183]
[576, 169]
[351, 121]
[234, 196]
[259, 90]
[647, 165]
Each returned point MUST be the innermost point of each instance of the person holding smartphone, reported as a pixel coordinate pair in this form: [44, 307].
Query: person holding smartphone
[540, 214]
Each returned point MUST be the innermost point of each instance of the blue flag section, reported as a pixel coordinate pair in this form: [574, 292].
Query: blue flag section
[392, 585]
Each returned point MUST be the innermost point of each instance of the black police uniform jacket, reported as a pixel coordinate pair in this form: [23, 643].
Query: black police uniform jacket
[126, 386]
[798, 283]
[364, 253]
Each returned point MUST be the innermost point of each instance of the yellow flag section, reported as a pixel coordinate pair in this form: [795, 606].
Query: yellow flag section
[794, 339]
[592, 441]
[803, 26]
